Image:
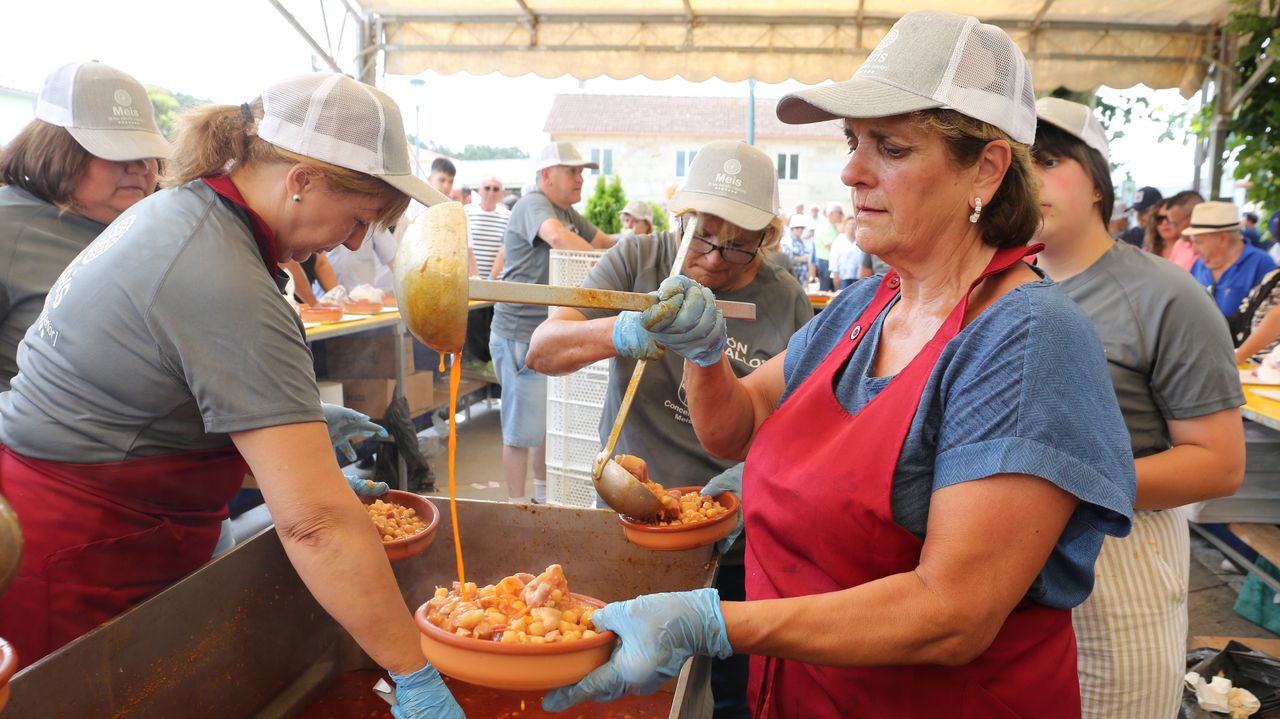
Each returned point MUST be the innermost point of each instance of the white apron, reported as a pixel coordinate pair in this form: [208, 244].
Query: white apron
[1131, 633]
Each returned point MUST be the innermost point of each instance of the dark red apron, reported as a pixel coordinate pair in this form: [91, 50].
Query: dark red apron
[811, 453]
[100, 538]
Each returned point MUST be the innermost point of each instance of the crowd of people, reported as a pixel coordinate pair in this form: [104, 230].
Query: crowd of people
[1036, 350]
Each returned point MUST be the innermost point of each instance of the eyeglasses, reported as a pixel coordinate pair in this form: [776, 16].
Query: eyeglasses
[490, 188]
[732, 255]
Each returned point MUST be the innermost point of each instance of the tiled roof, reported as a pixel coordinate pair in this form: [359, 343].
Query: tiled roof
[654, 115]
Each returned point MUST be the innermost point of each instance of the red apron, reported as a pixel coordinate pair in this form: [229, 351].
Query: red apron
[812, 453]
[100, 538]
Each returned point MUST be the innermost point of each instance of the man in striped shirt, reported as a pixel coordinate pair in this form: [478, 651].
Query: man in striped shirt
[486, 223]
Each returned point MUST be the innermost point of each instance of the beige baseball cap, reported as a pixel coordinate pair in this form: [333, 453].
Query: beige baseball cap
[639, 209]
[335, 119]
[931, 59]
[562, 153]
[108, 112]
[1213, 216]
[1075, 119]
[732, 180]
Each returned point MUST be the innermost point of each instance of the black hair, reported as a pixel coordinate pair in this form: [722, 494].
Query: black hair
[443, 165]
[1053, 141]
[1251, 217]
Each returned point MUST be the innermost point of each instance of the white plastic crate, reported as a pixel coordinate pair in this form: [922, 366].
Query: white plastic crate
[570, 488]
[576, 453]
[574, 404]
[570, 267]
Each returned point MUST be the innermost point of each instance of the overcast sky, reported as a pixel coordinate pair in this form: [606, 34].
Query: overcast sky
[227, 50]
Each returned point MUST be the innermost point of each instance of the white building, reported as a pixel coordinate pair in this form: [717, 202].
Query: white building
[648, 141]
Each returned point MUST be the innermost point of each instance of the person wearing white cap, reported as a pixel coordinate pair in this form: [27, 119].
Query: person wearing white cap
[1226, 265]
[167, 359]
[823, 238]
[800, 252]
[637, 218]
[1168, 353]
[933, 462]
[91, 152]
[541, 219]
[730, 191]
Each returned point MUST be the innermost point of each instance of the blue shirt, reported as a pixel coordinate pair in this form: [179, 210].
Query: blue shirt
[1233, 286]
[1022, 389]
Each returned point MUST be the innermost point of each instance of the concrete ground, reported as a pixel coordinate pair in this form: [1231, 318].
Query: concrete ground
[1214, 582]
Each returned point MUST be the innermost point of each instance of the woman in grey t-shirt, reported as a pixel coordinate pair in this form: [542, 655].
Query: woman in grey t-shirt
[1170, 362]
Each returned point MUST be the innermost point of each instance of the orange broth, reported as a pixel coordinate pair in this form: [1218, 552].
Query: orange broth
[455, 379]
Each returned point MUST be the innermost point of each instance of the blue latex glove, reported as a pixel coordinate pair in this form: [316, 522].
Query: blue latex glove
[365, 488]
[686, 320]
[729, 480]
[423, 695]
[631, 339]
[656, 634]
[346, 423]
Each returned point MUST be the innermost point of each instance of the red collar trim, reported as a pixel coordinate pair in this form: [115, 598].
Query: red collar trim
[262, 233]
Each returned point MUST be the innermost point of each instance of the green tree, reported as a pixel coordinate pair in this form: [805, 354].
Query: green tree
[474, 152]
[660, 222]
[605, 204]
[169, 105]
[1252, 127]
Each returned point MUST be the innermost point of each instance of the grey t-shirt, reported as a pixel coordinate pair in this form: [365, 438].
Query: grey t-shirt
[658, 428]
[528, 259]
[1168, 350]
[164, 335]
[37, 242]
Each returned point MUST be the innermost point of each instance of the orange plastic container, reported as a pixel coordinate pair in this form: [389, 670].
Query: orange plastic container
[684, 536]
[321, 313]
[515, 667]
[417, 544]
[361, 307]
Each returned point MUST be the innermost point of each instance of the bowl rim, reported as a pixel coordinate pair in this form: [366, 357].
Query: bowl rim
[728, 499]
[8, 661]
[484, 646]
[390, 495]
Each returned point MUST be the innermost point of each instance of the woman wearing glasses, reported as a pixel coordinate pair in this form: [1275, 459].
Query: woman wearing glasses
[1164, 238]
[731, 192]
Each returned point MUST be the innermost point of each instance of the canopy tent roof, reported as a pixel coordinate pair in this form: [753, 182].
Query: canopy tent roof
[1079, 44]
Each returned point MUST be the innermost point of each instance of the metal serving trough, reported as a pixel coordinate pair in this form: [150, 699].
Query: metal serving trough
[242, 637]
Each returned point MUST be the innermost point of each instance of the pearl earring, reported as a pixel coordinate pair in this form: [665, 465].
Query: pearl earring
[977, 210]
[297, 198]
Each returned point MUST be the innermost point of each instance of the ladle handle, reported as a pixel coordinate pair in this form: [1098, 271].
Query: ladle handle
[527, 293]
[682, 250]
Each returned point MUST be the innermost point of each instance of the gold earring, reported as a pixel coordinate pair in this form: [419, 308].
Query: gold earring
[977, 210]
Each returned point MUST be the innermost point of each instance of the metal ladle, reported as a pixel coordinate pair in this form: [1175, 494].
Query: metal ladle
[620, 489]
[433, 290]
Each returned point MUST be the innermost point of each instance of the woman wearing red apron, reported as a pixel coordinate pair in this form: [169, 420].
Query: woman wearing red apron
[166, 362]
[933, 463]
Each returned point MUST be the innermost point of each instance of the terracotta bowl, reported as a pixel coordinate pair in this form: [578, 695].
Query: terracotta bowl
[514, 667]
[361, 307]
[684, 536]
[417, 544]
[321, 313]
[8, 665]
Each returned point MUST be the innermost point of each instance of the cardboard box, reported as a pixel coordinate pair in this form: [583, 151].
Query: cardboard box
[372, 395]
[361, 356]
